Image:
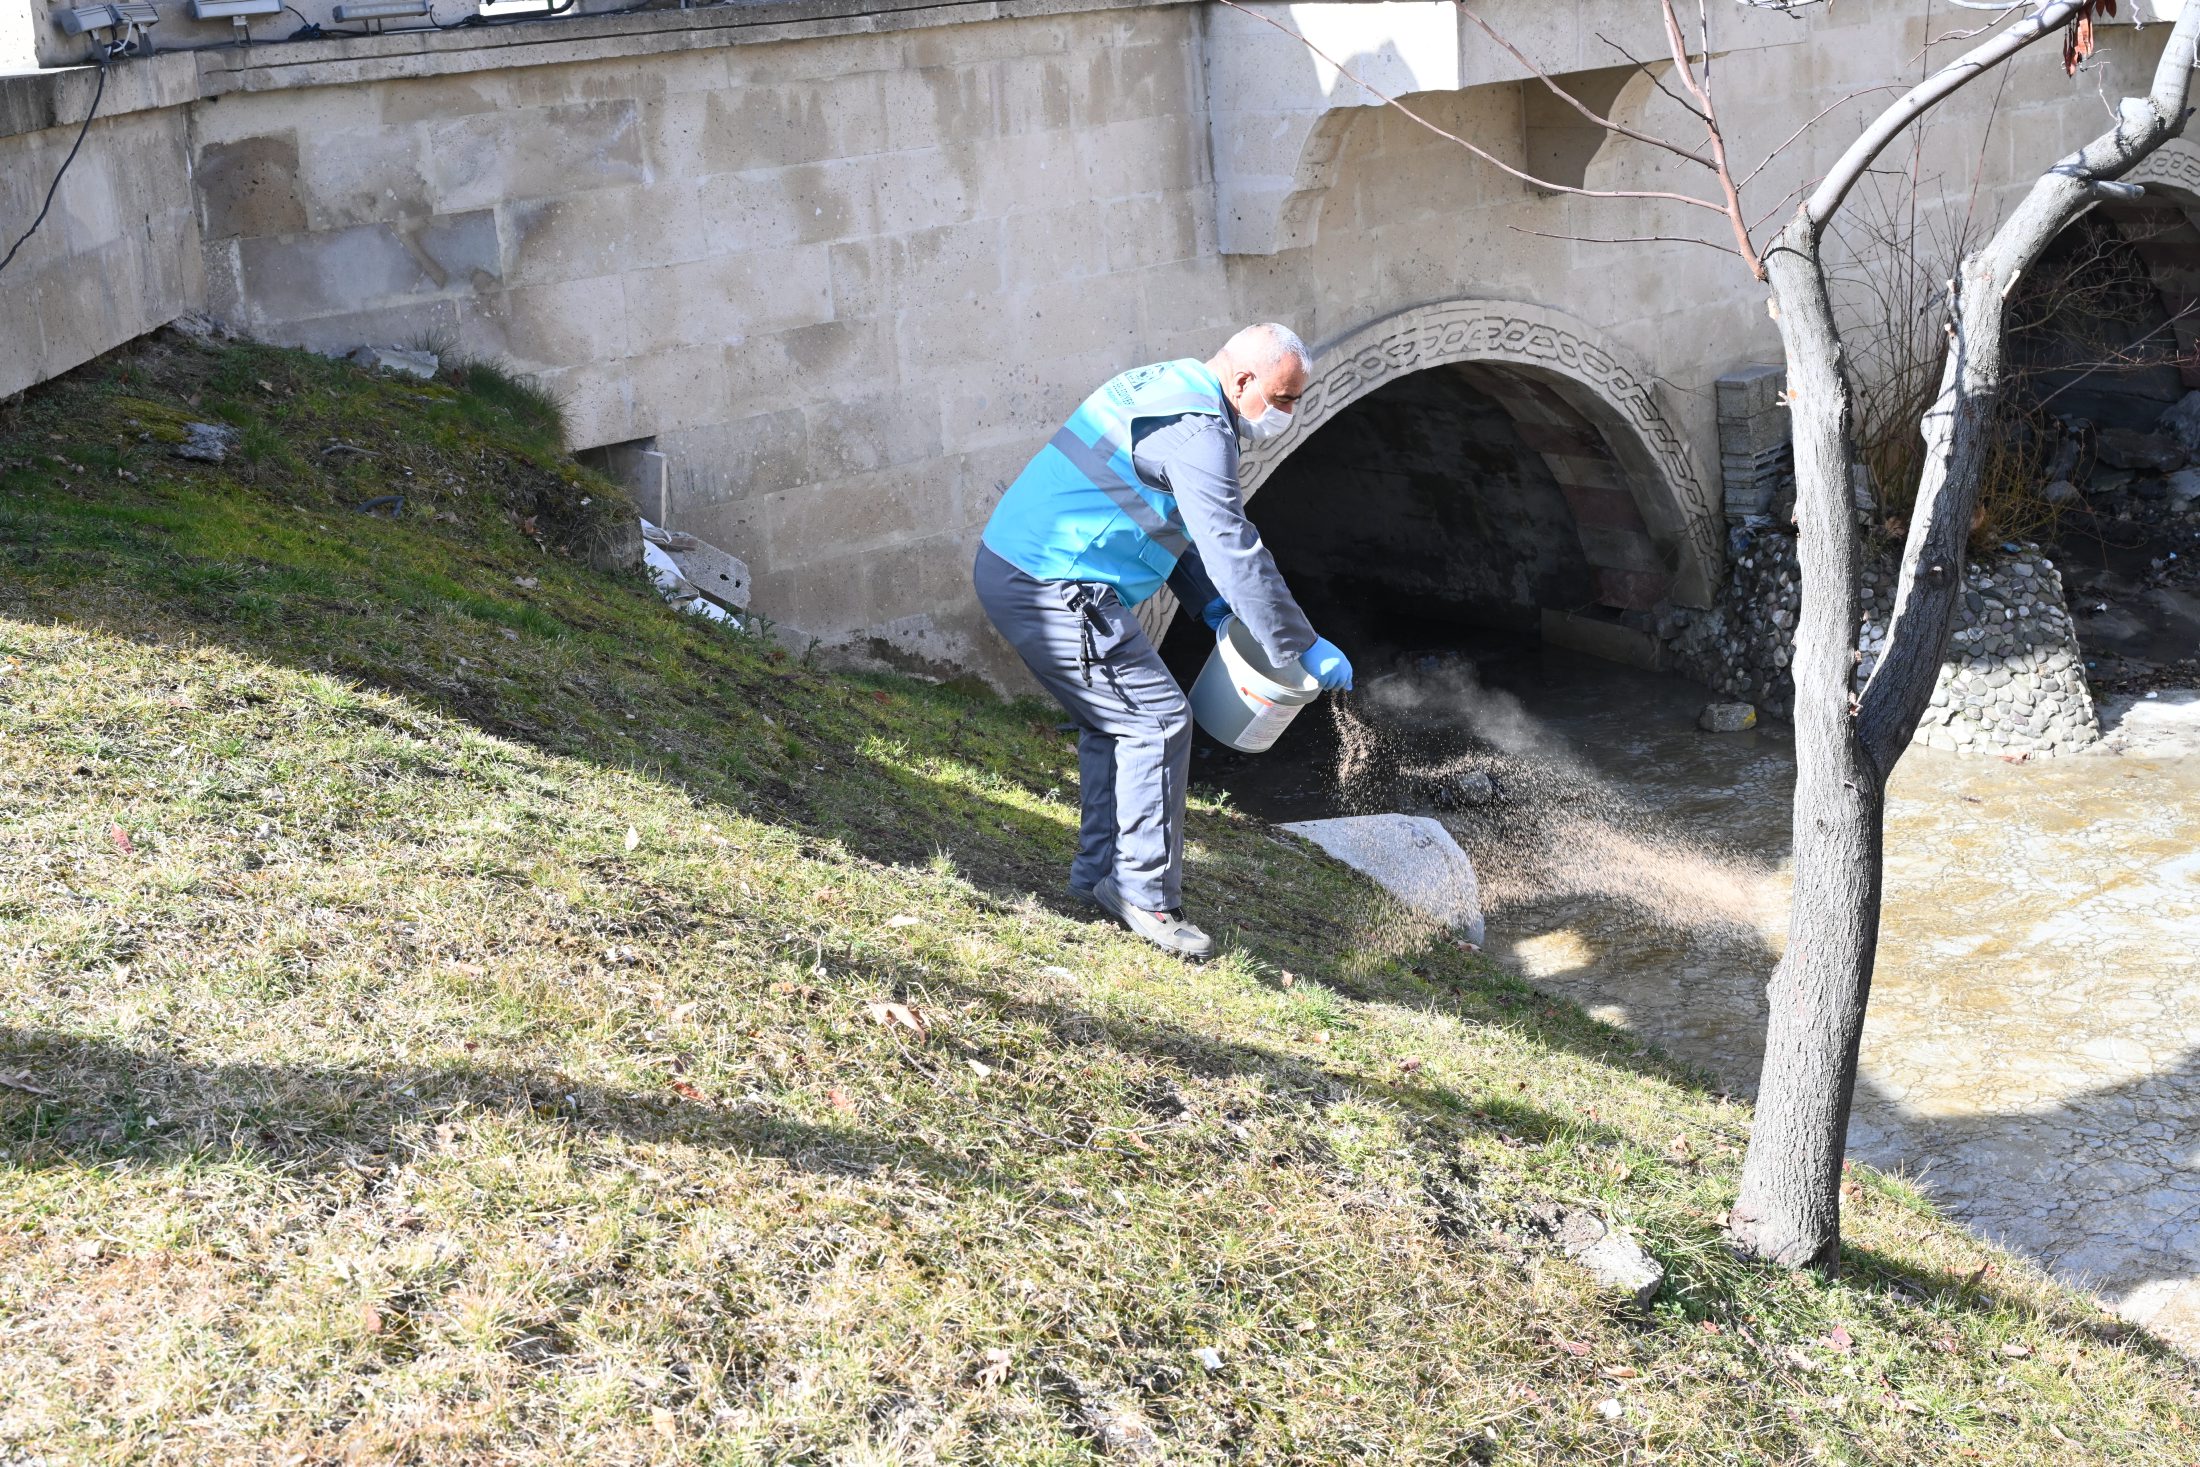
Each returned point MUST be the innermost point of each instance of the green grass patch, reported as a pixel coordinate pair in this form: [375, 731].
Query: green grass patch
[454, 1009]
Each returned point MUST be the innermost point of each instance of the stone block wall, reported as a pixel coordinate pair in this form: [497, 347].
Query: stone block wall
[118, 254]
[843, 284]
[2014, 680]
[2015, 676]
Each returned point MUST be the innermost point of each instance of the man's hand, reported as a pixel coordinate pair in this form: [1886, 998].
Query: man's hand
[1330, 667]
[1216, 613]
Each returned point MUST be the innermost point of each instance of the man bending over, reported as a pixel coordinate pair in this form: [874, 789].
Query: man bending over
[1139, 489]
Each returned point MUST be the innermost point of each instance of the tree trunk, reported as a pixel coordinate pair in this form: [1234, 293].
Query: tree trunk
[1789, 1209]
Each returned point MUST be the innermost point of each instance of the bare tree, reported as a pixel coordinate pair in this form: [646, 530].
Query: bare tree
[1847, 741]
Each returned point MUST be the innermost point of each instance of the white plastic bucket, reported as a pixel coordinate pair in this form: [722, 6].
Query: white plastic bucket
[1244, 700]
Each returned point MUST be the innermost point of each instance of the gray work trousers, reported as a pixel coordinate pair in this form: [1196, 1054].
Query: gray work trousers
[1134, 741]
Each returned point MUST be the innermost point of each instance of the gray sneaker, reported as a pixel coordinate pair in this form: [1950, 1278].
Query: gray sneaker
[1165, 930]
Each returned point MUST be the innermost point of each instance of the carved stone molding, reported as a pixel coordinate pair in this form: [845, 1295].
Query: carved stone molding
[1617, 399]
[2173, 168]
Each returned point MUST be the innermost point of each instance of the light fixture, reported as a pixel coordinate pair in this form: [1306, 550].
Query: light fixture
[237, 12]
[377, 11]
[128, 22]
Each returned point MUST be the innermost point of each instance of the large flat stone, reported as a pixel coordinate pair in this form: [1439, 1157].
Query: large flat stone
[1410, 856]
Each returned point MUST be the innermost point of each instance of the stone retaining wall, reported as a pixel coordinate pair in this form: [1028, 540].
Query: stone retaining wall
[2014, 680]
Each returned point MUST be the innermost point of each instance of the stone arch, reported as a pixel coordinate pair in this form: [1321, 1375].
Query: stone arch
[2173, 169]
[1593, 416]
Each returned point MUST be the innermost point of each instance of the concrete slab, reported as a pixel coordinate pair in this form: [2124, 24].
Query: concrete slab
[1410, 856]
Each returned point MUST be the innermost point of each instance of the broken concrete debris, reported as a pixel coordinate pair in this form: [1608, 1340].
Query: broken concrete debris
[669, 557]
[1612, 1258]
[421, 364]
[1727, 717]
[722, 577]
[206, 443]
[1413, 858]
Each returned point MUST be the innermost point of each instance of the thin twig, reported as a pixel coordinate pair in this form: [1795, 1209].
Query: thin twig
[1709, 244]
[1816, 118]
[1655, 80]
[1699, 159]
[1701, 91]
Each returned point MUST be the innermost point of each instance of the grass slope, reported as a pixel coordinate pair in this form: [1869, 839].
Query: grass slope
[453, 1009]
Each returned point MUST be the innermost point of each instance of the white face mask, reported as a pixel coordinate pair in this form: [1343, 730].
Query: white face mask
[1269, 424]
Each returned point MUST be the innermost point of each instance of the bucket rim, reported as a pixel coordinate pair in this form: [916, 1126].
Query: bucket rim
[1247, 660]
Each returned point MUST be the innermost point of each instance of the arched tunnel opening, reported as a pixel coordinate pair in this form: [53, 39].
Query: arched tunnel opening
[2103, 434]
[1474, 541]
[1453, 530]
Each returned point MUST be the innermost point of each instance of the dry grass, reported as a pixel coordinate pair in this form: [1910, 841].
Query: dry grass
[443, 1020]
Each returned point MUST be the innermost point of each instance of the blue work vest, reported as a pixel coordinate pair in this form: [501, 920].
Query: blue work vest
[1079, 511]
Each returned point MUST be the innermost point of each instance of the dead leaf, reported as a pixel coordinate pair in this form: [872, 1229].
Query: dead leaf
[1840, 1339]
[370, 1319]
[1571, 1347]
[633, 837]
[1409, 1064]
[1619, 1372]
[840, 1100]
[2017, 1351]
[983, 1070]
[667, 1424]
[120, 837]
[23, 1083]
[995, 1369]
[879, 696]
[686, 1091]
[891, 1014]
[903, 919]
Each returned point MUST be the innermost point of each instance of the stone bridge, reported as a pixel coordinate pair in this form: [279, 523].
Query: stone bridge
[829, 271]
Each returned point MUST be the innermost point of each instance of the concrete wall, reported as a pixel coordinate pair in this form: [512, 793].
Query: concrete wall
[118, 254]
[847, 263]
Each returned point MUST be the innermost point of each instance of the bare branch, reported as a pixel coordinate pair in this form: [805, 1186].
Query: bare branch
[1927, 94]
[1484, 154]
[1655, 80]
[1701, 91]
[1816, 118]
[1575, 102]
[1709, 244]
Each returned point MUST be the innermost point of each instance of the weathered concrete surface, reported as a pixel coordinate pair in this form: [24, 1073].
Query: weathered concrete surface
[119, 253]
[1410, 856]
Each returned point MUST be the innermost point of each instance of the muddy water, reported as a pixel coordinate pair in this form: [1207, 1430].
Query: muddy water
[2034, 1038]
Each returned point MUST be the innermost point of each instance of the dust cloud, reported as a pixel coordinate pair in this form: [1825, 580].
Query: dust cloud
[1541, 823]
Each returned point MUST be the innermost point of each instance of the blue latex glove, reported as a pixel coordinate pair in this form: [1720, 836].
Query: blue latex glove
[1217, 612]
[1330, 667]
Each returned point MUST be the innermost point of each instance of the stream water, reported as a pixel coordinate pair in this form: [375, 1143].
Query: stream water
[2034, 1034]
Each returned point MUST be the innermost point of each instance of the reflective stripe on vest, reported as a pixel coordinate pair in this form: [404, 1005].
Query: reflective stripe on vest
[1079, 511]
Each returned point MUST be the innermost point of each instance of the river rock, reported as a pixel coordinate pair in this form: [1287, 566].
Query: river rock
[2184, 485]
[1463, 791]
[2062, 491]
[1410, 856]
[2128, 448]
[1727, 717]
[2182, 422]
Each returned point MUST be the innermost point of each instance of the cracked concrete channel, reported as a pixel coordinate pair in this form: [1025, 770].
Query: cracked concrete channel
[2034, 1033]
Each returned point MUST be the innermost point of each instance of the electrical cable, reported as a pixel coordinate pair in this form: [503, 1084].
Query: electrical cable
[97, 92]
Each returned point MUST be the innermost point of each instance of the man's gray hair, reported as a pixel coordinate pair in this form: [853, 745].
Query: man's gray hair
[1268, 345]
